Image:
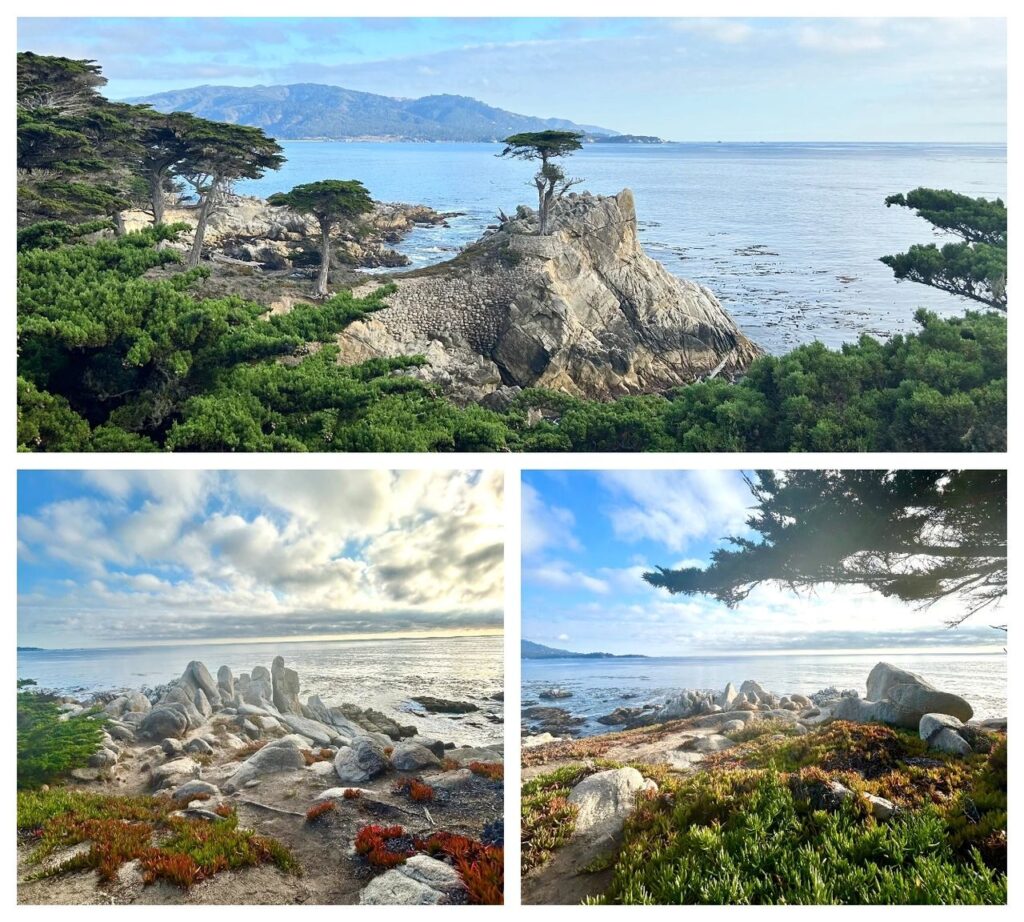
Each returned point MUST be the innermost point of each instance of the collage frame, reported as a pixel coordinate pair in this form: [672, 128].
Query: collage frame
[514, 466]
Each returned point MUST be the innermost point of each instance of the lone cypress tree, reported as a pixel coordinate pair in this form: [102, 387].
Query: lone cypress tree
[331, 202]
[550, 180]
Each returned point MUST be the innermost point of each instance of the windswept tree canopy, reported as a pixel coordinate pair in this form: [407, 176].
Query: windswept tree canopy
[329, 200]
[973, 268]
[542, 145]
[918, 536]
[550, 180]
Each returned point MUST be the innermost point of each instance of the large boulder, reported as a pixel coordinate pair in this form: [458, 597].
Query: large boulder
[256, 687]
[198, 676]
[225, 684]
[175, 773]
[361, 761]
[164, 721]
[923, 699]
[281, 755]
[421, 881]
[581, 309]
[943, 732]
[286, 687]
[726, 697]
[900, 698]
[605, 799]
[137, 703]
[319, 733]
[411, 757]
[183, 698]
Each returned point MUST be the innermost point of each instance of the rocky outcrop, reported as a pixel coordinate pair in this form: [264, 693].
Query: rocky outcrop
[248, 230]
[900, 698]
[360, 762]
[278, 756]
[286, 687]
[582, 310]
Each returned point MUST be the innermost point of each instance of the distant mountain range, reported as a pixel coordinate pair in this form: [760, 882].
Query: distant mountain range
[307, 111]
[531, 650]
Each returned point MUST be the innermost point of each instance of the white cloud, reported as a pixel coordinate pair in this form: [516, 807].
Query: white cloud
[545, 526]
[676, 508]
[219, 554]
[557, 574]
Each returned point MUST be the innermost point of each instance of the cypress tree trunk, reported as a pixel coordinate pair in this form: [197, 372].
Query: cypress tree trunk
[325, 259]
[542, 211]
[156, 197]
[118, 223]
[204, 213]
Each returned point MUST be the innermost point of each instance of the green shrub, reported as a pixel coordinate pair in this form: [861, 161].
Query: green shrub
[49, 747]
[745, 837]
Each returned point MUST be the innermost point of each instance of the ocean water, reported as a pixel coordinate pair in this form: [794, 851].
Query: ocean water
[787, 235]
[601, 685]
[383, 674]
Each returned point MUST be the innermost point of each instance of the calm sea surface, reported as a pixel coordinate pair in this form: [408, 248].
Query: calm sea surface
[787, 235]
[601, 685]
[380, 673]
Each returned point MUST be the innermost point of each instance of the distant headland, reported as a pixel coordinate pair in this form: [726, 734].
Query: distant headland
[531, 650]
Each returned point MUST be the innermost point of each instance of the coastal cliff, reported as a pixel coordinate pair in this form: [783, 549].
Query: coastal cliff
[582, 310]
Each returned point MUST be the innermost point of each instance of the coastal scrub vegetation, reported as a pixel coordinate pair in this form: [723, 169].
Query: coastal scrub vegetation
[762, 823]
[119, 351]
[119, 354]
[49, 746]
[916, 535]
[120, 829]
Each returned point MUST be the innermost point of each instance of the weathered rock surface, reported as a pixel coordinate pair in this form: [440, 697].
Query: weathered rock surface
[278, 756]
[411, 757]
[582, 310]
[444, 705]
[900, 698]
[421, 881]
[164, 721]
[605, 799]
[363, 760]
[286, 687]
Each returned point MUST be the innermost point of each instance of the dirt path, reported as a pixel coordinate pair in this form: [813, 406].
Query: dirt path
[562, 880]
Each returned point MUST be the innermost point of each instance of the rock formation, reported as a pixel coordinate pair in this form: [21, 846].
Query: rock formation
[248, 230]
[581, 310]
[895, 696]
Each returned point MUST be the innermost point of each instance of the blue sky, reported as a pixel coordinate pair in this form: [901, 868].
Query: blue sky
[683, 79]
[588, 537]
[128, 557]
